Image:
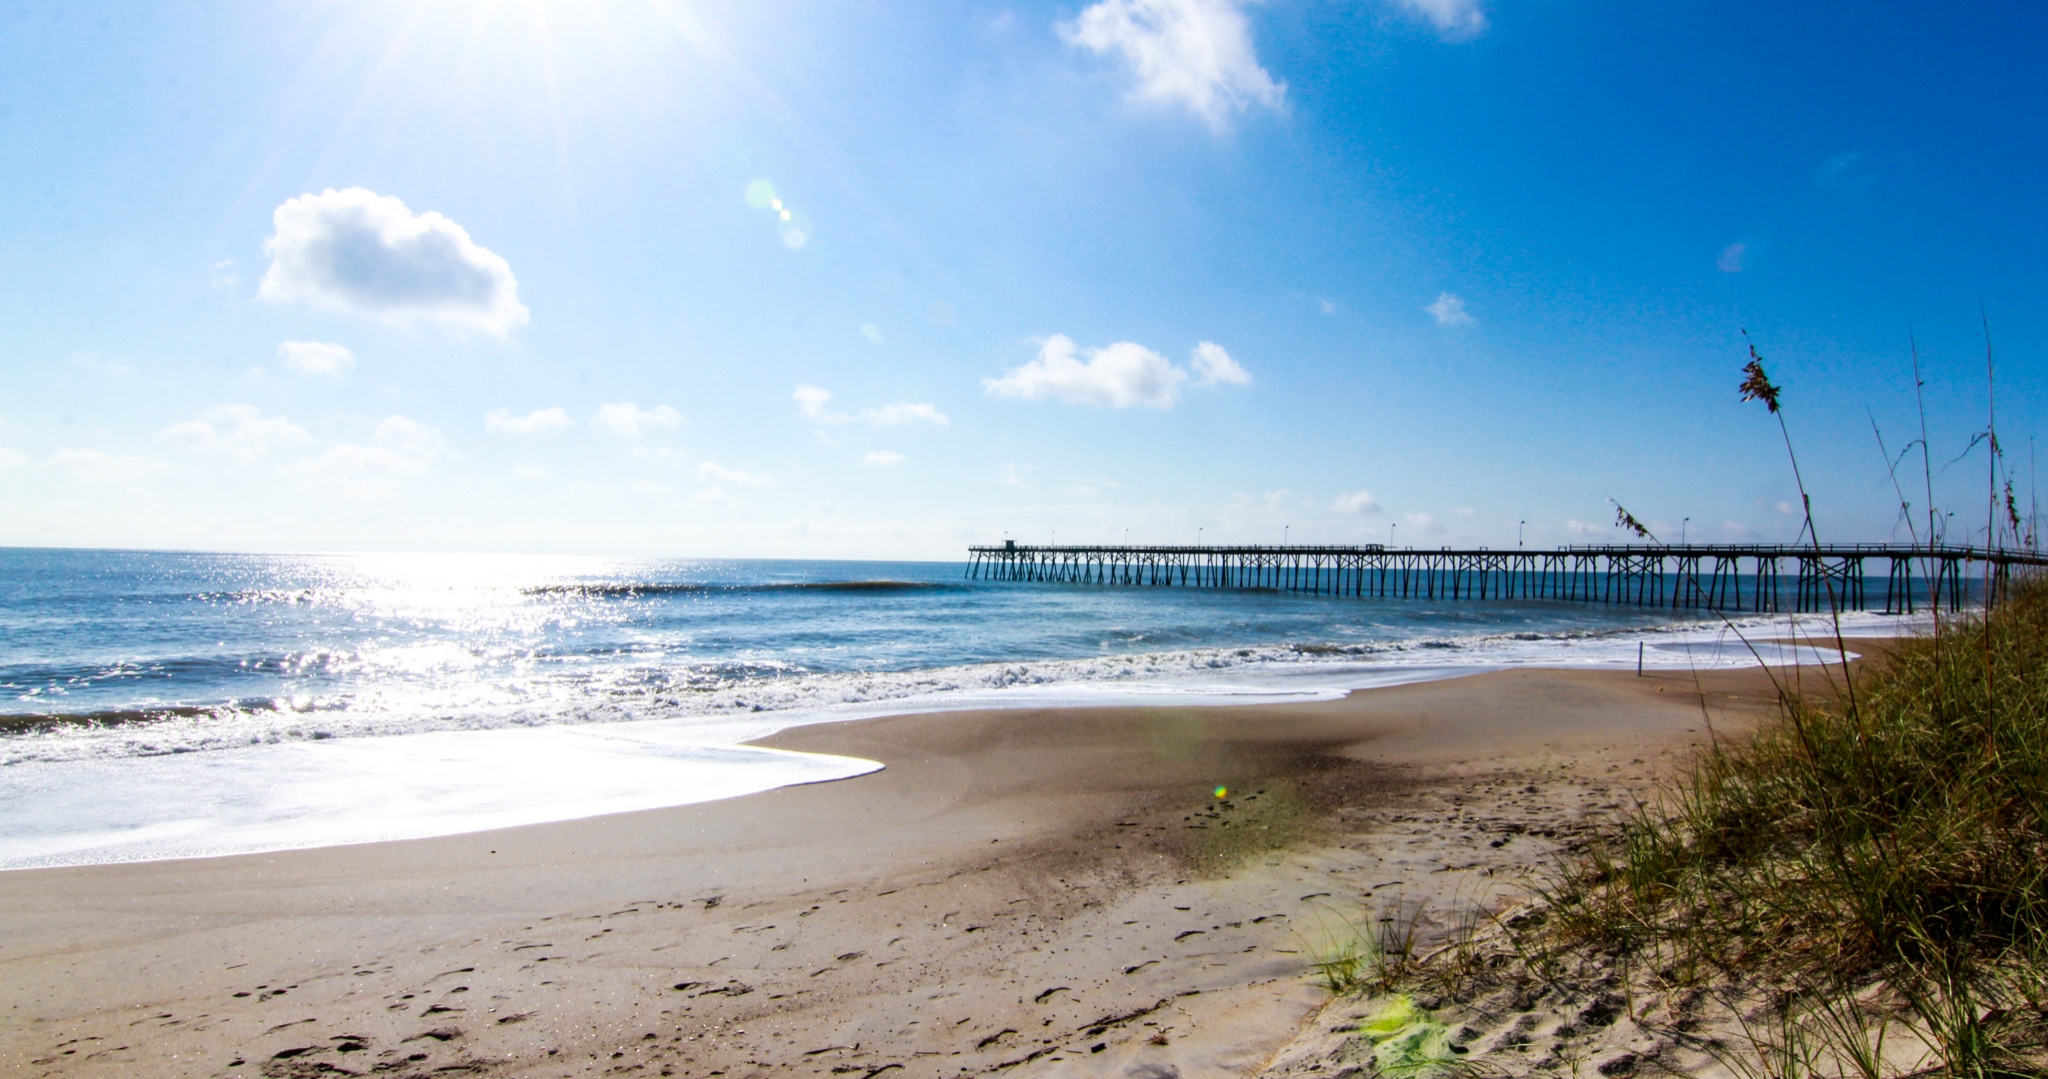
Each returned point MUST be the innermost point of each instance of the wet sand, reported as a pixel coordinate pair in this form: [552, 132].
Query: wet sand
[1025, 892]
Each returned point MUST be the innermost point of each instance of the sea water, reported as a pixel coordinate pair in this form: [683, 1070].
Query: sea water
[163, 704]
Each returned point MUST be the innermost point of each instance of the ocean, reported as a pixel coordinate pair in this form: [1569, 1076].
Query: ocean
[167, 704]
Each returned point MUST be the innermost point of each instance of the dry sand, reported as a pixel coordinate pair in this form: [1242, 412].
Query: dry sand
[1031, 892]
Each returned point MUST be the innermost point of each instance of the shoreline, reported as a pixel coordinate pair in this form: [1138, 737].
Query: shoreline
[837, 924]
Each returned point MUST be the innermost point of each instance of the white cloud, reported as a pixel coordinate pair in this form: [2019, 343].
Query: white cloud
[1785, 508]
[905, 412]
[316, 357]
[1121, 375]
[1196, 53]
[1329, 307]
[1454, 19]
[1213, 365]
[238, 429]
[12, 458]
[884, 457]
[624, 418]
[1836, 168]
[712, 470]
[1355, 502]
[811, 400]
[93, 361]
[408, 436]
[99, 466]
[1464, 511]
[1423, 521]
[1579, 528]
[872, 332]
[1733, 258]
[400, 446]
[1449, 310]
[530, 472]
[712, 494]
[367, 254]
[543, 419]
[224, 275]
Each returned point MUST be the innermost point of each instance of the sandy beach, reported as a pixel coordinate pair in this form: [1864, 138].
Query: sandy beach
[1033, 892]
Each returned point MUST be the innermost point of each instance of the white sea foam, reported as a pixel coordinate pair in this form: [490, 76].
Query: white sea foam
[773, 696]
[331, 792]
[263, 780]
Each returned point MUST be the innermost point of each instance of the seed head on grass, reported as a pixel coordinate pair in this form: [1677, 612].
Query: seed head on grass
[1757, 386]
[1626, 521]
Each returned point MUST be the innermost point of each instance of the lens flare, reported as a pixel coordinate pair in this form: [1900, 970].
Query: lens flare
[1223, 792]
[793, 227]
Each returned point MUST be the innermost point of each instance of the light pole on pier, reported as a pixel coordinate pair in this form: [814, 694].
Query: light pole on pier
[1283, 534]
[1518, 532]
[1681, 530]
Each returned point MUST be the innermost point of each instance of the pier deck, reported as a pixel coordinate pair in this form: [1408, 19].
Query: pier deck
[1727, 577]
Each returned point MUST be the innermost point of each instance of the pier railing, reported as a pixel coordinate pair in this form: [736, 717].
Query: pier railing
[1726, 577]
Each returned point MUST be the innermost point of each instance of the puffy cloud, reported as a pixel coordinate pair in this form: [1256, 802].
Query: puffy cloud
[1733, 258]
[98, 364]
[1120, 375]
[99, 466]
[872, 332]
[316, 357]
[904, 412]
[1196, 53]
[238, 429]
[811, 401]
[1454, 19]
[1213, 365]
[12, 458]
[368, 254]
[884, 458]
[408, 436]
[624, 418]
[712, 470]
[400, 446]
[1424, 521]
[1355, 502]
[544, 419]
[1449, 310]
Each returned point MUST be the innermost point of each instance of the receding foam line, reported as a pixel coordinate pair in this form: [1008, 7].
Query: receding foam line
[328, 793]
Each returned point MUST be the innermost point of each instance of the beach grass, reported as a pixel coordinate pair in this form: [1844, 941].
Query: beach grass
[1863, 857]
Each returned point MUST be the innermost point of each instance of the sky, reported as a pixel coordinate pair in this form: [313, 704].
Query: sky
[861, 279]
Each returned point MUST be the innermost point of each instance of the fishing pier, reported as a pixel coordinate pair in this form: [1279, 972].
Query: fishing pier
[1721, 577]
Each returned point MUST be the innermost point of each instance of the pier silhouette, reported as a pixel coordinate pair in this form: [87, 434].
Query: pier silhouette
[1722, 577]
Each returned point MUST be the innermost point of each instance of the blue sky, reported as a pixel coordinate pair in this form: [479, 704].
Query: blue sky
[517, 276]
